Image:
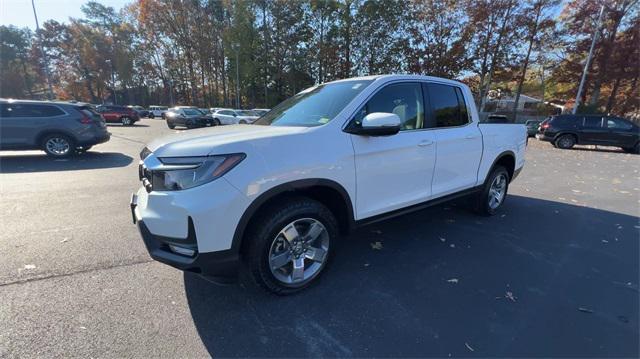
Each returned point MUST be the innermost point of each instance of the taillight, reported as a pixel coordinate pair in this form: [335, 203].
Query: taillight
[545, 125]
[86, 120]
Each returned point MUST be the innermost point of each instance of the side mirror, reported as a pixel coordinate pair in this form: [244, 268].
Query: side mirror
[376, 124]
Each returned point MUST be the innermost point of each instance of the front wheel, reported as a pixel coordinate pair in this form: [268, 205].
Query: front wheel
[170, 125]
[494, 192]
[290, 244]
[216, 122]
[152, 116]
[126, 121]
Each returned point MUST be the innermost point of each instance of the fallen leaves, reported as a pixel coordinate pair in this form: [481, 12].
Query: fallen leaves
[376, 245]
[29, 266]
[509, 295]
[452, 280]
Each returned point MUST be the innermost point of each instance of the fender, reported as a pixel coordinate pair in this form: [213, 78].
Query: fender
[498, 158]
[283, 188]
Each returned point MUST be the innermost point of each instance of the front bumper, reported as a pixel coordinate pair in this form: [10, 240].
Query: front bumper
[543, 137]
[219, 266]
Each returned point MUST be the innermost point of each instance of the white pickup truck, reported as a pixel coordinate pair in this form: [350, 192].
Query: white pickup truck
[277, 195]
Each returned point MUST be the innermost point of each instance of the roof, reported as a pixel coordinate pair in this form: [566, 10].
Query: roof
[12, 100]
[408, 77]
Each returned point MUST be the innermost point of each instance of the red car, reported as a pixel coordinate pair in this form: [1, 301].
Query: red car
[118, 114]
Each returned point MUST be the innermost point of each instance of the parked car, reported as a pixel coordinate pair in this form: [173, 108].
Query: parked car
[565, 131]
[157, 111]
[142, 113]
[205, 111]
[333, 157]
[532, 127]
[189, 117]
[231, 117]
[60, 129]
[118, 114]
[261, 111]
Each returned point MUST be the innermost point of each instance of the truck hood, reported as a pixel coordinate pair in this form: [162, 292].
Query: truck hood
[204, 141]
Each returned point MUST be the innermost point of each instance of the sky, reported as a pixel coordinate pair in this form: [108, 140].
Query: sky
[20, 12]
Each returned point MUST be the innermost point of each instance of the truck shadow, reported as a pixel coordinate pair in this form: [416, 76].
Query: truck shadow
[43, 163]
[541, 279]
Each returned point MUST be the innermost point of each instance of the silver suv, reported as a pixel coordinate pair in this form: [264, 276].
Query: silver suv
[58, 128]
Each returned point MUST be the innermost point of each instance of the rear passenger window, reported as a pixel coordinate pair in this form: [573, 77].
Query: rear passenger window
[30, 110]
[448, 105]
[593, 122]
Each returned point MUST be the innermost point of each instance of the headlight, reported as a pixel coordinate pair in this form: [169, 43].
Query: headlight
[178, 173]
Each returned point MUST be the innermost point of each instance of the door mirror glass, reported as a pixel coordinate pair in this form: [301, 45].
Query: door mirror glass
[377, 124]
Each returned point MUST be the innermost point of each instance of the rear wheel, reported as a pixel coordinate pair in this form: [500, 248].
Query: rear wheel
[565, 141]
[290, 243]
[494, 192]
[58, 146]
[243, 122]
[170, 125]
[126, 121]
[634, 149]
[216, 122]
[151, 115]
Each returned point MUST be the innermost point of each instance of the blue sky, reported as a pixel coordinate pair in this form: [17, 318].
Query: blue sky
[20, 13]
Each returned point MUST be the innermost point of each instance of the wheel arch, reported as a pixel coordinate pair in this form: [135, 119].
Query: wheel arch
[42, 135]
[507, 159]
[328, 192]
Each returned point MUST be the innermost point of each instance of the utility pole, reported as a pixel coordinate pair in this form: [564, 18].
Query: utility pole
[586, 65]
[44, 56]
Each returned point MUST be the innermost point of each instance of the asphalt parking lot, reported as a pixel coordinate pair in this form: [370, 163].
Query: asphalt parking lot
[555, 274]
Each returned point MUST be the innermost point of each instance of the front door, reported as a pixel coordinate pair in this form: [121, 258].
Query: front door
[592, 131]
[394, 171]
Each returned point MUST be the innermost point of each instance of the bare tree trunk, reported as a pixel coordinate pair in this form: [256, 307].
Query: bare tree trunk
[496, 53]
[526, 61]
[612, 97]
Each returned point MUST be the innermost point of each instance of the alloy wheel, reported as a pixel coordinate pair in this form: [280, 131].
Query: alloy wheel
[58, 146]
[299, 252]
[497, 191]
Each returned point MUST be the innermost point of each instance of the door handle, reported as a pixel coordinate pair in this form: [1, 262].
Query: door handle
[470, 137]
[425, 143]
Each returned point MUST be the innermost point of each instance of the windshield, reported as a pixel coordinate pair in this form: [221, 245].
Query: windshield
[191, 112]
[315, 106]
[247, 113]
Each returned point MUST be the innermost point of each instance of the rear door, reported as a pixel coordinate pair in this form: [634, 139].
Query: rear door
[458, 140]
[620, 132]
[23, 123]
[591, 130]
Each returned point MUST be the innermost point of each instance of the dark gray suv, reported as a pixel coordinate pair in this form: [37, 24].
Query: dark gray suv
[58, 128]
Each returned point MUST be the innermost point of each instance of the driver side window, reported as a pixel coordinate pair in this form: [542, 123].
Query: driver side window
[403, 99]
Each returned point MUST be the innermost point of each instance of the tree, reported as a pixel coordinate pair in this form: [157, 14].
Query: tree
[536, 20]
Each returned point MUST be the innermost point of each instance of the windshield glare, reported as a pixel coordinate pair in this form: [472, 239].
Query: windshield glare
[315, 106]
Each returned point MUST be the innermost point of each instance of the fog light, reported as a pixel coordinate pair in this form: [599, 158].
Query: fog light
[181, 250]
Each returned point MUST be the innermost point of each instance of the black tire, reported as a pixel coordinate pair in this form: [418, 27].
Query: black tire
[216, 122]
[82, 150]
[163, 116]
[170, 125]
[242, 122]
[126, 121]
[189, 125]
[565, 142]
[483, 199]
[58, 145]
[635, 149]
[264, 233]
[151, 115]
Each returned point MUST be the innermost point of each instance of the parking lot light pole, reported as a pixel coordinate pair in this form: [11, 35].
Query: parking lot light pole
[586, 65]
[44, 55]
